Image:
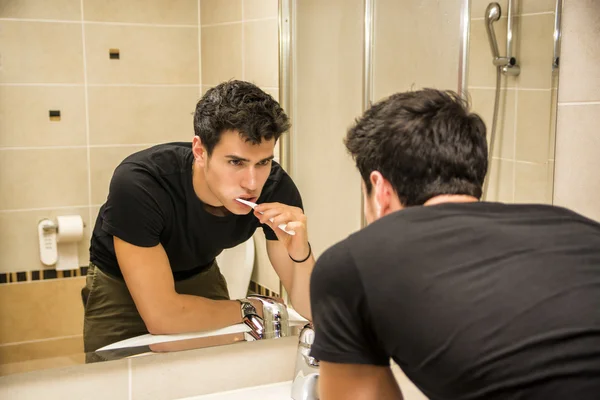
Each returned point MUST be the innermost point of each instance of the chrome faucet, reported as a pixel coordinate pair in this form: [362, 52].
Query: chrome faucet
[306, 374]
[275, 322]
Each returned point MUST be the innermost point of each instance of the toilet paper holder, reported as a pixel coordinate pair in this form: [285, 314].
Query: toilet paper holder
[53, 227]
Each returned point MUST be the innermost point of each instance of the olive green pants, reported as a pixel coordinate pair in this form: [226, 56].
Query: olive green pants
[111, 315]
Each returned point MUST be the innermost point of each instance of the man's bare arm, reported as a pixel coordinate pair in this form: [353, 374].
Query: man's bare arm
[294, 277]
[149, 278]
[357, 382]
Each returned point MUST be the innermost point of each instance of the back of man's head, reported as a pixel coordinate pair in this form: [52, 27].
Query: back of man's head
[426, 143]
[238, 106]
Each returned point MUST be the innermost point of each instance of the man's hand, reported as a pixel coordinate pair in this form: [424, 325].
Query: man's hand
[296, 245]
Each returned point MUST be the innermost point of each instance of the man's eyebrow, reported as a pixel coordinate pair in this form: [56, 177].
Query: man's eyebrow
[234, 157]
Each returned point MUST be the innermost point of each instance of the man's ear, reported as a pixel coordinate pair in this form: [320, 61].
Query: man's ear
[383, 194]
[199, 151]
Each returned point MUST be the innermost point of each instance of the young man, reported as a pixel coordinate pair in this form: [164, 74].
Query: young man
[473, 300]
[171, 210]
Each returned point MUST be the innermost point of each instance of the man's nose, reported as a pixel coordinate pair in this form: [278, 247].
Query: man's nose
[250, 182]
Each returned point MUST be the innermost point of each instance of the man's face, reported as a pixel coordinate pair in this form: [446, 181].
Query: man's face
[237, 168]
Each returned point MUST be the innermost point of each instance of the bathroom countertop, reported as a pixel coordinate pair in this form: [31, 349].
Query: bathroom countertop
[275, 391]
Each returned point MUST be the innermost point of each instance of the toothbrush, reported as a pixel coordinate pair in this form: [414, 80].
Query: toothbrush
[281, 226]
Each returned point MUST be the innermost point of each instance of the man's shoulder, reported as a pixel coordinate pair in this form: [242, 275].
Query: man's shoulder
[159, 160]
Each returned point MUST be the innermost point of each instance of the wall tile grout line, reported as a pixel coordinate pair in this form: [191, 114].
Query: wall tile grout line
[199, 50]
[243, 44]
[129, 379]
[108, 23]
[93, 146]
[14, 210]
[579, 103]
[50, 339]
[514, 177]
[143, 85]
[87, 117]
[238, 22]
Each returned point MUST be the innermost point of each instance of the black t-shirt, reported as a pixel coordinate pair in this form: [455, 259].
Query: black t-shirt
[473, 301]
[151, 200]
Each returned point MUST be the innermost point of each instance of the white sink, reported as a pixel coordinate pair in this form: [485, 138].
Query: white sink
[275, 391]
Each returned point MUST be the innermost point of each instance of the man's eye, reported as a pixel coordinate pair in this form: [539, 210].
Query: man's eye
[236, 163]
[265, 162]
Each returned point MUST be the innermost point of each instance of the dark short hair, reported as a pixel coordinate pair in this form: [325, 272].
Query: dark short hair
[426, 143]
[239, 106]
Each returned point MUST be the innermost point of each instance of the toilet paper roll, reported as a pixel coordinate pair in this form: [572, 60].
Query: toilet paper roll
[70, 228]
[70, 232]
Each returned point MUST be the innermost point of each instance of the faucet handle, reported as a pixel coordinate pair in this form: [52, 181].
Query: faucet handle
[275, 317]
[307, 335]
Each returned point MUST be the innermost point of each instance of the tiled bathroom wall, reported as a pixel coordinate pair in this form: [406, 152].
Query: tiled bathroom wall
[61, 56]
[240, 40]
[523, 159]
[416, 45]
[124, 76]
[327, 53]
[577, 182]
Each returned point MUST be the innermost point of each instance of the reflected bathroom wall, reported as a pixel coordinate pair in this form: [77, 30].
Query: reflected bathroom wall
[522, 168]
[110, 106]
[327, 96]
[416, 45]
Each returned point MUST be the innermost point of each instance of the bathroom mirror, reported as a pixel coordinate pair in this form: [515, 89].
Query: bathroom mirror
[127, 75]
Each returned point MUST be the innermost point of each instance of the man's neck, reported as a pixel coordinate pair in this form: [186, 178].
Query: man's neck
[211, 203]
[450, 198]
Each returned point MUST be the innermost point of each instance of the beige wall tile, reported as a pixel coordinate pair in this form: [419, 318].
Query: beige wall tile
[44, 349]
[416, 45]
[221, 53]
[19, 244]
[148, 54]
[21, 367]
[577, 182]
[103, 161]
[41, 309]
[533, 125]
[478, 7]
[261, 52]
[534, 49]
[263, 272]
[205, 89]
[101, 381]
[26, 121]
[580, 58]
[531, 183]
[175, 375]
[501, 186]
[130, 115]
[536, 6]
[218, 11]
[274, 92]
[41, 9]
[51, 52]
[254, 9]
[43, 178]
[483, 104]
[143, 11]
[328, 100]
[553, 112]
[481, 71]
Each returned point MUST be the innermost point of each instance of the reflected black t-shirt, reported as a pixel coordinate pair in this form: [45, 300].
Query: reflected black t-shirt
[473, 301]
[151, 200]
